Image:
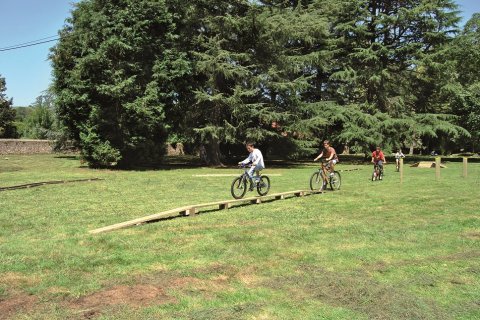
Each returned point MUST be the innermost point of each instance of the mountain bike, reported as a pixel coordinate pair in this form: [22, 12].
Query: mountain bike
[321, 178]
[239, 184]
[377, 173]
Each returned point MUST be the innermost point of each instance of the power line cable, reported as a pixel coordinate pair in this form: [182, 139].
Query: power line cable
[28, 44]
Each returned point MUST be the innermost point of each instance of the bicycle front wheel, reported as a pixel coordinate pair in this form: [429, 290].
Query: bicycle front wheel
[239, 187]
[263, 185]
[316, 181]
[335, 181]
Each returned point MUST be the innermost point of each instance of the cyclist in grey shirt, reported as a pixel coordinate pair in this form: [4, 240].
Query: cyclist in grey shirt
[255, 158]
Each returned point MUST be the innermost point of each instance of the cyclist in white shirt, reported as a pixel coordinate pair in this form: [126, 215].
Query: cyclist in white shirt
[256, 159]
[398, 156]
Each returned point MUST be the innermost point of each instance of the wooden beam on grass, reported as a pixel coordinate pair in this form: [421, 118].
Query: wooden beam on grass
[194, 209]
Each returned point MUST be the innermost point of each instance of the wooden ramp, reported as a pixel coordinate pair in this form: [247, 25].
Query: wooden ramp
[194, 209]
[426, 164]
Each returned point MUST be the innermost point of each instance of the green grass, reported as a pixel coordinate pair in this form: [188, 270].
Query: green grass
[372, 250]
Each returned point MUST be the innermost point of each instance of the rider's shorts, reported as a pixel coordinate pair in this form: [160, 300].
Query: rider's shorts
[254, 169]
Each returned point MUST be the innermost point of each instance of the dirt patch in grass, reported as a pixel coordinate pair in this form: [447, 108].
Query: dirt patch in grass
[18, 303]
[134, 296]
[156, 289]
[137, 295]
[208, 288]
[358, 292]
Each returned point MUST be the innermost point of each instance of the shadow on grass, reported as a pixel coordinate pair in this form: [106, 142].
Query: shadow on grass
[68, 157]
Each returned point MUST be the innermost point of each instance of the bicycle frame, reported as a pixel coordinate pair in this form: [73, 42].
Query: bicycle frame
[324, 168]
[239, 184]
[377, 172]
[245, 175]
[324, 176]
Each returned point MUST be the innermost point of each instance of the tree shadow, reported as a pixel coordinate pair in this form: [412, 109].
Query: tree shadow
[68, 157]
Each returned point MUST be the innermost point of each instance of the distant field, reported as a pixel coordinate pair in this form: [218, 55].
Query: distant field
[372, 250]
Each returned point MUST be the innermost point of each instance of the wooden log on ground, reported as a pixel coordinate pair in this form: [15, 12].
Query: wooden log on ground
[157, 216]
[194, 209]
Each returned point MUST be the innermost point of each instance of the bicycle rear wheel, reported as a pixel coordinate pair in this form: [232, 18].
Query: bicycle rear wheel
[317, 182]
[335, 181]
[263, 185]
[239, 187]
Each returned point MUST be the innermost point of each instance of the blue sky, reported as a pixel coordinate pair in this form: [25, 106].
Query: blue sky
[27, 71]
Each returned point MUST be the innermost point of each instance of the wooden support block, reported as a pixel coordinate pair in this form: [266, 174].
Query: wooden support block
[256, 201]
[280, 197]
[224, 206]
[190, 211]
[300, 194]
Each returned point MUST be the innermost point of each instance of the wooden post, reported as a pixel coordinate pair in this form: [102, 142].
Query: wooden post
[280, 197]
[465, 165]
[401, 170]
[437, 168]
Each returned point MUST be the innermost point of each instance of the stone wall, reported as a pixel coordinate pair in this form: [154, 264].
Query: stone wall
[24, 146]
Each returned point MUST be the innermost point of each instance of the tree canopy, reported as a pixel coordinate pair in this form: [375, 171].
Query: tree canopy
[130, 75]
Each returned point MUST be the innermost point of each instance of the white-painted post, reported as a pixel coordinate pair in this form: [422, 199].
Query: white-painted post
[465, 166]
[437, 167]
[401, 170]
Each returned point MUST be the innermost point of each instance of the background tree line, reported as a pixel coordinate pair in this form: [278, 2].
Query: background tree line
[130, 75]
[37, 121]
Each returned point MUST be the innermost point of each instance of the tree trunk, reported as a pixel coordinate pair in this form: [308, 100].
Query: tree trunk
[210, 153]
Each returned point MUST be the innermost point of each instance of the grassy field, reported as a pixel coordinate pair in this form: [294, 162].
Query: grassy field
[372, 250]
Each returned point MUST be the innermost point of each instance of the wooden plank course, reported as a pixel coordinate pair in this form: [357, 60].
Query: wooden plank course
[194, 209]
